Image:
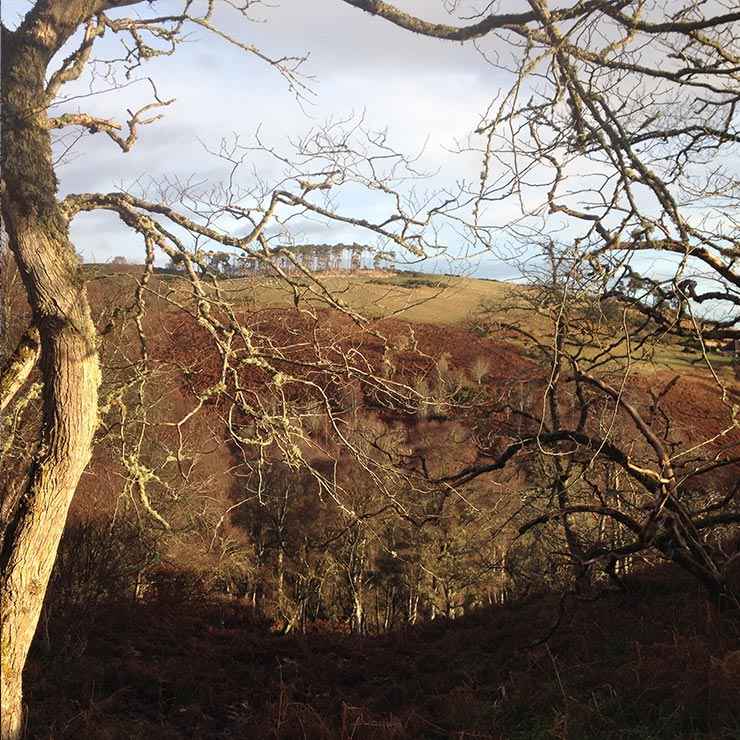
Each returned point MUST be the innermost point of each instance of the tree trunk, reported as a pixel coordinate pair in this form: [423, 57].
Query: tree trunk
[358, 611]
[38, 236]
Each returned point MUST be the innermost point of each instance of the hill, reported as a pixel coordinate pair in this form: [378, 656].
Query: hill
[278, 472]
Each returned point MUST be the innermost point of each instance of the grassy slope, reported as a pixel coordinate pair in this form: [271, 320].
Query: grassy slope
[434, 299]
[449, 300]
[452, 301]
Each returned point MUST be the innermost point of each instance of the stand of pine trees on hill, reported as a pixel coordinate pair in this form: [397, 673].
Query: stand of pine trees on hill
[313, 257]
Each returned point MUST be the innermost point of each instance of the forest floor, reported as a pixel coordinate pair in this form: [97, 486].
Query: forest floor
[654, 661]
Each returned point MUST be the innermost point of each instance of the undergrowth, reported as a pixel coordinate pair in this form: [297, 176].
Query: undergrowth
[658, 661]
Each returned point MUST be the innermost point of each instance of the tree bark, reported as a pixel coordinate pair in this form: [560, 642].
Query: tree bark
[39, 238]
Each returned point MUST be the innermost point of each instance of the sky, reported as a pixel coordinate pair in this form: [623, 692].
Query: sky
[428, 94]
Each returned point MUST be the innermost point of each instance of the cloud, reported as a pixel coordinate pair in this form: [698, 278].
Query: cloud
[427, 94]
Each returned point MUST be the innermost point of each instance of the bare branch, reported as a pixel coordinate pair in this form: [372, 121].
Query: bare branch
[19, 366]
[110, 128]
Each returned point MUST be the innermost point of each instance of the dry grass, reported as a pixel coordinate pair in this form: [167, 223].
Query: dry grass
[434, 299]
[444, 300]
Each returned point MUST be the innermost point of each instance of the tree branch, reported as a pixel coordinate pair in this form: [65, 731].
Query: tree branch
[108, 127]
[19, 366]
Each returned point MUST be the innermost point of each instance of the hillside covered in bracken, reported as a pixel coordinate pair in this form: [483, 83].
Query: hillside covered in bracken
[268, 483]
[323, 525]
[656, 661]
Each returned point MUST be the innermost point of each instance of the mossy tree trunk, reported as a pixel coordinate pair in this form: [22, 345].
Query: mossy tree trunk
[39, 239]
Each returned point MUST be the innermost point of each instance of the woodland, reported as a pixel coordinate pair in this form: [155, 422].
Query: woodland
[284, 490]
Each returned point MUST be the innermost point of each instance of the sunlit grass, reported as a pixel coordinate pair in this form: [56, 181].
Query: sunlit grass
[450, 300]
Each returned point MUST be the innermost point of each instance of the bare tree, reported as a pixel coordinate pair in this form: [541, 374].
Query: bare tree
[612, 463]
[625, 116]
[619, 133]
[36, 222]
[619, 130]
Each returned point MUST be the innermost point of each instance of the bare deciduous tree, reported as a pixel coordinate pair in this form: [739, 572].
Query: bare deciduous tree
[610, 469]
[620, 130]
[619, 134]
[623, 115]
[36, 222]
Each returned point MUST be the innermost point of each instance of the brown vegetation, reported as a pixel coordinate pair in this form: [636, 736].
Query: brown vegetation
[657, 662]
[172, 631]
[333, 469]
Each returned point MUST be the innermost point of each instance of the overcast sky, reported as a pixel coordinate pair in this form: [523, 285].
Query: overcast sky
[427, 93]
